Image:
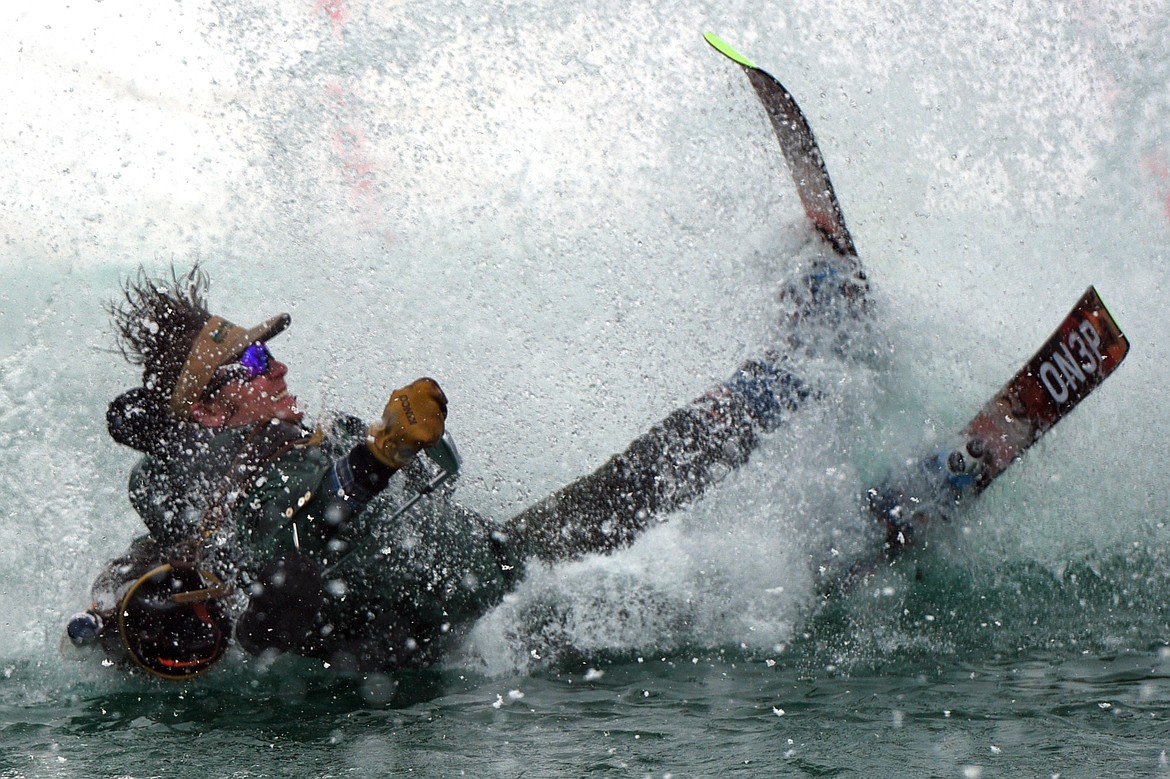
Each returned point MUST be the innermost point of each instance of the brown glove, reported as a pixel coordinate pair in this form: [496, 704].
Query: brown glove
[412, 421]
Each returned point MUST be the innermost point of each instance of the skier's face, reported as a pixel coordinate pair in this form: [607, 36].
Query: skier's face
[246, 400]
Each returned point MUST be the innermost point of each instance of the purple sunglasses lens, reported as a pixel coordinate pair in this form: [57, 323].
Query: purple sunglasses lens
[255, 358]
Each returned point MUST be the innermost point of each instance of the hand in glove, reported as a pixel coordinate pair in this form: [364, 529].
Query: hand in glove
[412, 421]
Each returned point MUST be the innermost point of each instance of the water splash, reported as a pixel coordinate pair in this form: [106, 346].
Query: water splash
[577, 220]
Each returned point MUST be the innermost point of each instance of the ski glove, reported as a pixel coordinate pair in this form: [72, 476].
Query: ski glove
[411, 421]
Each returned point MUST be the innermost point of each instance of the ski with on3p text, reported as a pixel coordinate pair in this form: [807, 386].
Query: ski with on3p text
[1085, 350]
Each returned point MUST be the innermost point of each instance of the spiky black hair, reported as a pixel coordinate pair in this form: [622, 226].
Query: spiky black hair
[157, 320]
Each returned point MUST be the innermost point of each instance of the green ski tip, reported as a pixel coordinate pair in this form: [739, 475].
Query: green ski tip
[723, 48]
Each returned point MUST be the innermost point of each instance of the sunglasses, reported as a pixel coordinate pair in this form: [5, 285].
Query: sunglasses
[255, 361]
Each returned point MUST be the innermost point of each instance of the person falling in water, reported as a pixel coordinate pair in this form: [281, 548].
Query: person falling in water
[284, 536]
[273, 532]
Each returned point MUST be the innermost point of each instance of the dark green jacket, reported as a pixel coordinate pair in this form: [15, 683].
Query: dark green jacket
[394, 592]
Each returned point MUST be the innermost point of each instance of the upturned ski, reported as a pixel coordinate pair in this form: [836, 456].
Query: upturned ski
[837, 282]
[1085, 350]
[804, 158]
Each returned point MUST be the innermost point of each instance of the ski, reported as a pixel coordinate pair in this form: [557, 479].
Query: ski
[1085, 349]
[805, 161]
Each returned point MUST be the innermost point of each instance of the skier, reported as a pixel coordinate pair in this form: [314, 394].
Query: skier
[281, 535]
[273, 531]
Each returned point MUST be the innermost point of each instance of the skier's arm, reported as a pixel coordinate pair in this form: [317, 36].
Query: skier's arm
[668, 467]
